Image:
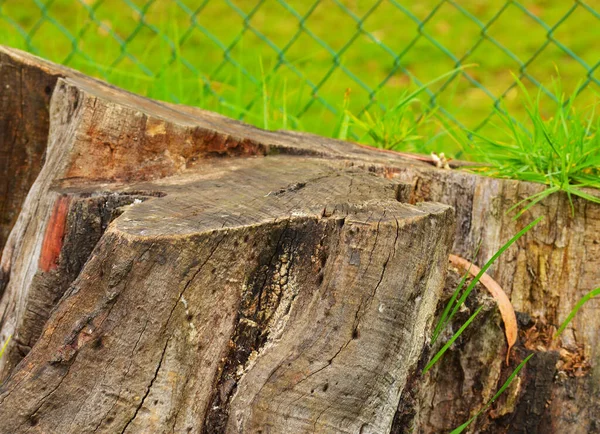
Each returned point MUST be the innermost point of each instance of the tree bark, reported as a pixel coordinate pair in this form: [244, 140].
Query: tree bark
[172, 270]
[545, 274]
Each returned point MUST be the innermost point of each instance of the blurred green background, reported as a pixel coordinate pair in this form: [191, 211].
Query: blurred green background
[290, 63]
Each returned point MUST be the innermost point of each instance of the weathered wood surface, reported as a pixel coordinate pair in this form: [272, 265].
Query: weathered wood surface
[26, 91]
[145, 281]
[285, 293]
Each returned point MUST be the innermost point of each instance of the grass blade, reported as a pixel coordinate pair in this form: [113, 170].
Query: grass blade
[489, 263]
[343, 124]
[265, 96]
[500, 391]
[441, 352]
[410, 97]
[446, 318]
[4, 346]
[438, 327]
[532, 200]
[593, 293]
[440, 324]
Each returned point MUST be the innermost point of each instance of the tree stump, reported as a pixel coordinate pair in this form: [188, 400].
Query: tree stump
[173, 270]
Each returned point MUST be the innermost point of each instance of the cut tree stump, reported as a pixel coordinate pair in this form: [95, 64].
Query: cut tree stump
[173, 270]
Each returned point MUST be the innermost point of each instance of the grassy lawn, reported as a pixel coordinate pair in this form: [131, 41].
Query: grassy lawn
[129, 43]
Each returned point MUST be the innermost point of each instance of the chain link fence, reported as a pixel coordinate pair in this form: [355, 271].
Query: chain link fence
[301, 57]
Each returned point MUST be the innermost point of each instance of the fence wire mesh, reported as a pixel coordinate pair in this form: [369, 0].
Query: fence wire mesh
[301, 56]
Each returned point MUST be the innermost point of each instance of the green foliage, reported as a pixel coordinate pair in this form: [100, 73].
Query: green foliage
[191, 52]
[455, 336]
[593, 293]
[343, 124]
[273, 112]
[396, 128]
[561, 151]
[399, 126]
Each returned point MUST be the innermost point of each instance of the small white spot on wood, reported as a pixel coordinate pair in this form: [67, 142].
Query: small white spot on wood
[252, 357]
[193, 331]
[441, 162]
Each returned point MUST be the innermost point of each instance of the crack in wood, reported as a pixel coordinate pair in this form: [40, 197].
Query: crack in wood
[149, 387]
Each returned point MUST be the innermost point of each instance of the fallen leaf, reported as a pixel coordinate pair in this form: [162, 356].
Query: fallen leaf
[506, 309]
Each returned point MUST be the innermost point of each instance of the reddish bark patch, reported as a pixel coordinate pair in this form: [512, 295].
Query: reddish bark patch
[55, 231]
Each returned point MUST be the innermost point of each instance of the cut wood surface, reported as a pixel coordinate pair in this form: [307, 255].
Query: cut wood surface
[173, 270]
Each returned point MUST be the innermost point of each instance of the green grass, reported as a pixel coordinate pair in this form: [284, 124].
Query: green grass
[400, 126]
[561, 151]
[437, 356]
[84, 33]
[3, 349]
[593, 293]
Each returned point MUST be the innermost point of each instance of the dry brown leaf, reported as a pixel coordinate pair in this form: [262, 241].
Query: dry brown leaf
[506, 309]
